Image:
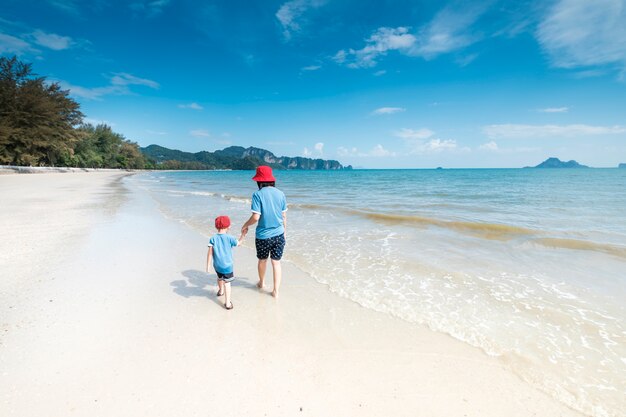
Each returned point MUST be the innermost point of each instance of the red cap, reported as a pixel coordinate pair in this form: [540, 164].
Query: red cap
[222, 222]
[263, 174]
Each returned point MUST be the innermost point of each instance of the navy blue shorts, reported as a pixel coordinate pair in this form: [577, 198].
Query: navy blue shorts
[273, 246]
[225, 277]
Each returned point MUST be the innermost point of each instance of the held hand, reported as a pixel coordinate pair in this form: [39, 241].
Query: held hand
[244, 231]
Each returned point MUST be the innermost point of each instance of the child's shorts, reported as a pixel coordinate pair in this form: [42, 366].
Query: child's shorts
[226, 277]
[272, 246]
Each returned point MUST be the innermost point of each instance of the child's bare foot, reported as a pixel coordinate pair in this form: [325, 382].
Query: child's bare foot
[259, 285]
[275, 294]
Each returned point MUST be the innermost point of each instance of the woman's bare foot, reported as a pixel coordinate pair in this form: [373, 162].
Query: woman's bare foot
[259, 285]
[275, 294]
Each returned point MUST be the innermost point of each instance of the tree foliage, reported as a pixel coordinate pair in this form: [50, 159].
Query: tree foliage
[100, 147]
[41, 125]
[37, 119]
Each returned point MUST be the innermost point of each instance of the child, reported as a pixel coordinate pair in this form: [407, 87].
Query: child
[220, 251]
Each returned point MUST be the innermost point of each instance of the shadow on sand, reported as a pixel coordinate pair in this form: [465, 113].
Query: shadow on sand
[200, 284]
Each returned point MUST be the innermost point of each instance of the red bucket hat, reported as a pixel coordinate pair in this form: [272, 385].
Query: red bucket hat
[264, 174]
[222, 222]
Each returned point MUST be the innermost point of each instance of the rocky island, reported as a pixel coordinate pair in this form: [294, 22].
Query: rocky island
[557, 163]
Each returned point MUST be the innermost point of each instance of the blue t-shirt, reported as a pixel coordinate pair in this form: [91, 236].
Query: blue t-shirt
[222, 252]
[270, 203]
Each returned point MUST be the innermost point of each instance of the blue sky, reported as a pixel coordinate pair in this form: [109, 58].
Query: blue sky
[377, 84]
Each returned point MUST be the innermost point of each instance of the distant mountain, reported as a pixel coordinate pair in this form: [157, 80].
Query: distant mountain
[557, 163]
[233, 157]
[621, 166]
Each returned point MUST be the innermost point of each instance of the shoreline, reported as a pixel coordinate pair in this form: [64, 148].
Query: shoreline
[126, 322]
[14, 169]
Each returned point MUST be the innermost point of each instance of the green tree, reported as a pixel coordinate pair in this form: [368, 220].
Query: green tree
[101, 147]
[37, 119]
[130, 157]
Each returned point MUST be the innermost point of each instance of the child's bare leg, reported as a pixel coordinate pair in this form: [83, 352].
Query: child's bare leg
[220, 287]
[227, 301]
[277, 273]
[262, 269]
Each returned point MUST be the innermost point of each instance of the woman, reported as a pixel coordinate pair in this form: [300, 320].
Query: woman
[269, 209]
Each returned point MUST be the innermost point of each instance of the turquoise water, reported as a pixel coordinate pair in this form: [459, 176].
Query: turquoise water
[529, 265]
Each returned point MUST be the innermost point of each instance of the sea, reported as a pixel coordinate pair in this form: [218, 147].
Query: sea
[528, 265]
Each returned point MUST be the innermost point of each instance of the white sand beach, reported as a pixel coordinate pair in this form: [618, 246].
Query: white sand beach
[106, 311]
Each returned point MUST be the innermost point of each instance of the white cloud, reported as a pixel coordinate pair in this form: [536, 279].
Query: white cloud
[340, 57]
[414, 134]
[519, 131]
[95, 93]
[18, 46]
[382, 40]
[436, 145]
[388, 110]
[343, 151]
[311, 68]
[489, 146]
[417, 144]
[249, 59]
[12, 45]
[52, 41]
[581, 33]
[318, 149]
[447, 32]
[379, 73]
[589, 73]
[68, 6]
[377, 151]
[192, 106]
[153, 132]
[150, 7]
[124, 79]
[200, 133]
[466, 60]
[290, 15]
[493, 147]
[119, 86]
[555, 110]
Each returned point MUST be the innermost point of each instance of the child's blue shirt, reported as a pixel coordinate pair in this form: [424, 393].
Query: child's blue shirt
[222, 252]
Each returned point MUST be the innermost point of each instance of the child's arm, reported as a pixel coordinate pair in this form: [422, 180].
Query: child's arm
[209, 258]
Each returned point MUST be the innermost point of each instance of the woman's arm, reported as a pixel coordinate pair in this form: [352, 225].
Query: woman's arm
[252, 220]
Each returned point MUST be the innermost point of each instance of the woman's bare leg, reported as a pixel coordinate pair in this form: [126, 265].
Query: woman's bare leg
[262, 269]
[277, 273]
